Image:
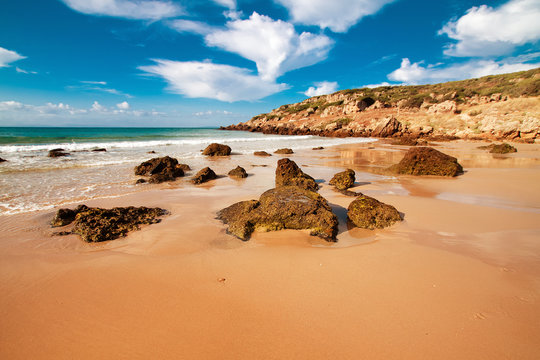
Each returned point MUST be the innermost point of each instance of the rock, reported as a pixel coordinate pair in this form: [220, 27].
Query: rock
[349, 192]
[57, 153]
[204, 175]
[65, 216]
[215, 149]
[369, 213]
[427, 161]
[184, 167]
[284, 151]
[238, 172]
[140, 181]
[387, 127]
[343, 180]
[160, 169]
[406, 141]
[286, 207]
[96, 224]
[99, 150]
[261, 153]
[318, 148]
[443, 107]
[289, 174]
[2, 160]
[151, 152]
[503, 148]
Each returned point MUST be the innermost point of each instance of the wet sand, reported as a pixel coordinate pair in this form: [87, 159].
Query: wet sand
[458, 278]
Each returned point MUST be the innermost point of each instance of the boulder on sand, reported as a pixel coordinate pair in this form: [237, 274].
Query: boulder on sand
[2, 160]
[216, 149]
[285, 151]
[427, 161]
[97, 224]
[369, 213]
[289, 174]
[503, 148]
[66, 216]
[160, 169]
[238, 172]
[343, 180]
[286, 207]
[204, 175]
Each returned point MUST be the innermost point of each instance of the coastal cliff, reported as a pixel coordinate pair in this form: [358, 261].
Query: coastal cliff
[492, 107]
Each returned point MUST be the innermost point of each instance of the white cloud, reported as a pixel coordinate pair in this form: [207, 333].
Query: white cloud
[98, 86]
[11, 105]
[417, 73]
[322, 88]
[191, 26]
[96, 106]
[196, 79]
[273, 45]
[337, 15]
[384, 83]
[213, 112]
[8, 56]
[22, 71]
[231, 4]
[487, 31]
[131, 9]
[123, 105]
[94, 82]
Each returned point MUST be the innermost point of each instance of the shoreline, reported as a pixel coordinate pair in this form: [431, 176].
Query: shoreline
[459, 277]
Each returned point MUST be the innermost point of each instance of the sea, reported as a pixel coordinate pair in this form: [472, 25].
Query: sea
[31, 181]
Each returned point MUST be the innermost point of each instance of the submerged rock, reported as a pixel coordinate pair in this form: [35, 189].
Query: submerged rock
[318, 148]
[503, 148]
[287, 207]
[369, 213]
[204, 175]
[99, 150]
[343, 180]
[96, 224]
[216, 149]
[285, 151]
[261, 153]
[57, 152]
[66, 216]
[288, 173]
[184, 167]
[427, 161]
[2, 160]
[160, 169]
[238, 172]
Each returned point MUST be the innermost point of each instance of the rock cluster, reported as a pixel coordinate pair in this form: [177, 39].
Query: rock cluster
[216, 149]
[97, 224]
[161, 169]
[57, 152]
[343, 180]
[369, 213]
[427, 161]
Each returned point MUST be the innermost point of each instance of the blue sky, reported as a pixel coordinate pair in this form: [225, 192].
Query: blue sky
[216, 62]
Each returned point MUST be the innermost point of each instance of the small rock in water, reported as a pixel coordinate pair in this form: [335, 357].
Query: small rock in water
[285, 151]
[204, 175]
[184, 167]
[261, 153]
[99, 150]
[160, 169]
[2, 160]
[216, 149]
[318, 148]
[427, 161]
[57, 153]
[238, 172]
[503, 148]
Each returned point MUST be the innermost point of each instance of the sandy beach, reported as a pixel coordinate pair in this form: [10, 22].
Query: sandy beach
[459, 278]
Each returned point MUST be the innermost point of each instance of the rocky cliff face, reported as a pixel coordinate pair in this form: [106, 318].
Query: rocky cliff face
[494, 107]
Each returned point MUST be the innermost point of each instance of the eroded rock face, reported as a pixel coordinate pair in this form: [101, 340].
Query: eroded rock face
[238, 172]
[289, 174]
[160, 169]
[216, 149]
[343, 180]
[97, 224]
[427, 161]
[387, 127]
[204, 175]
[284, 151]
[58, 153]
[261, 153]
[286, 207]
[369, 213]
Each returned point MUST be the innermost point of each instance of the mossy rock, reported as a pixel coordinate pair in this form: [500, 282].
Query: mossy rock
[427, 161]
[503, 148]
[204, 175]
[369, 213]
[289, 174]
[238, 172]
[343, 180]
[284, 151]
[216, 149]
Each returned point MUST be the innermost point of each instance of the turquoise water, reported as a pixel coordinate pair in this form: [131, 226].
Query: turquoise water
[30, 180]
